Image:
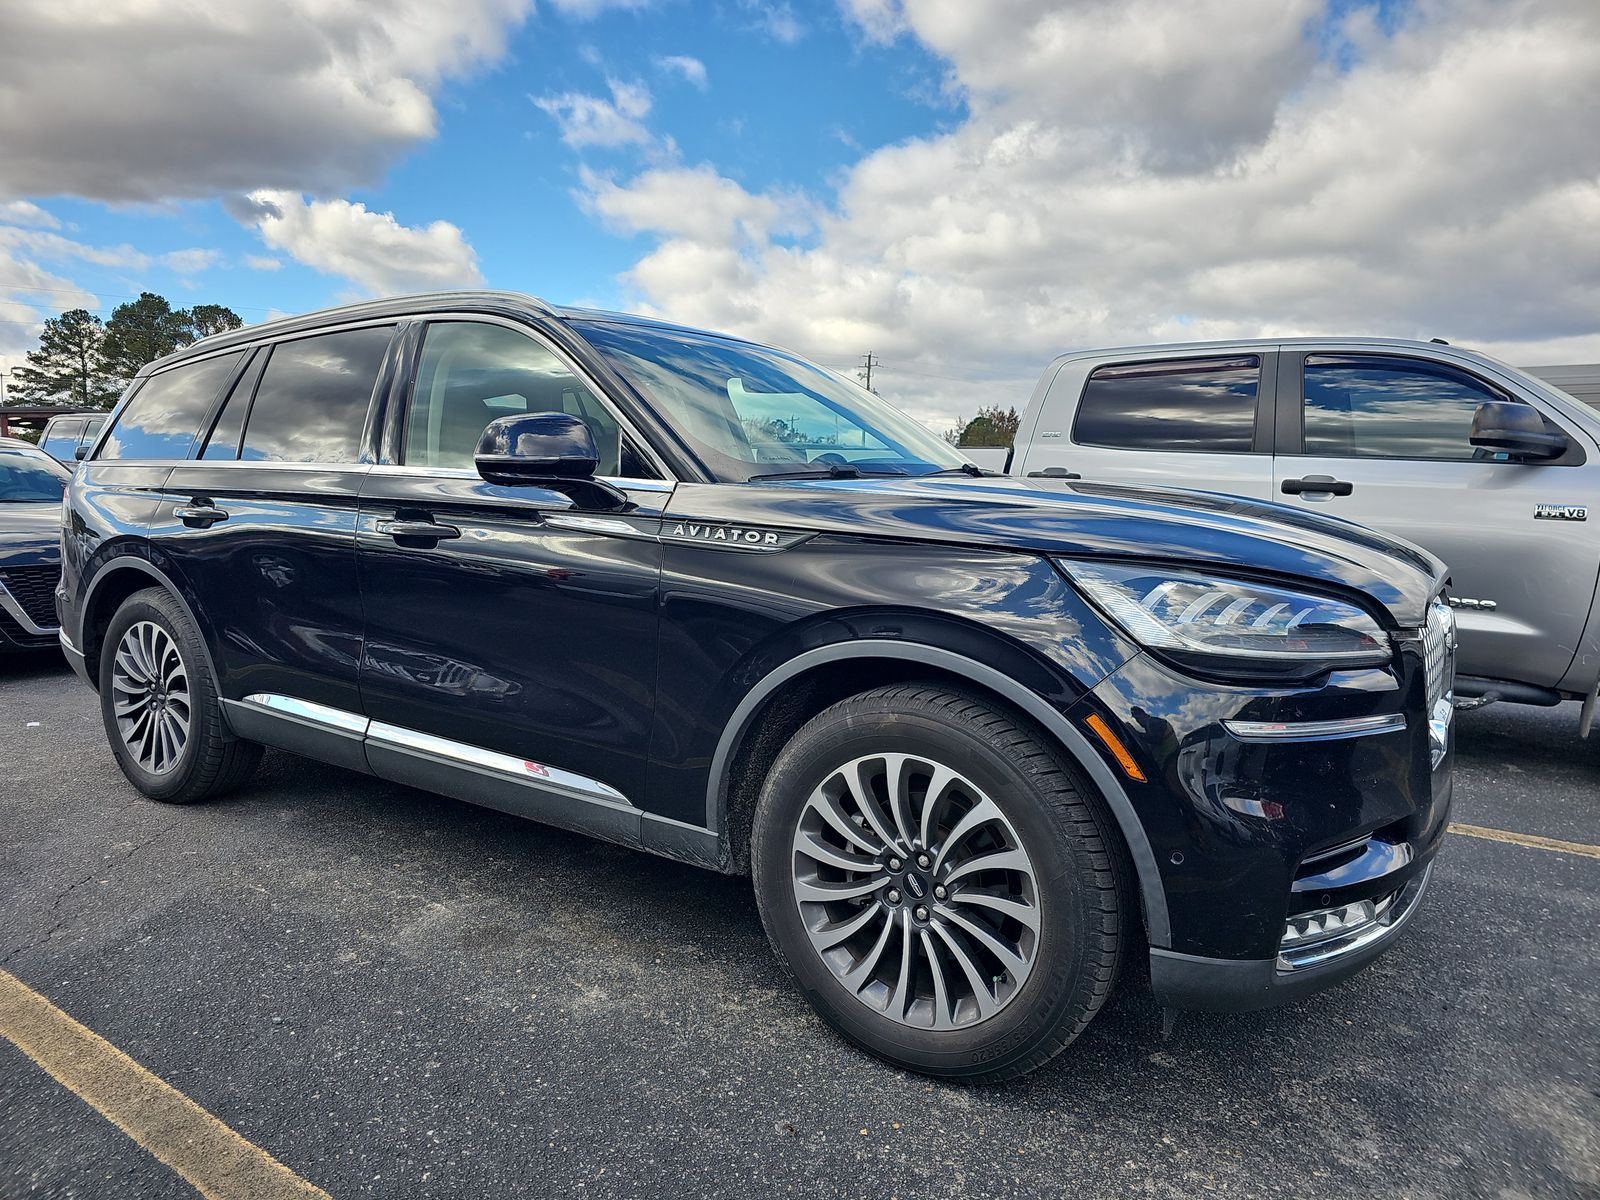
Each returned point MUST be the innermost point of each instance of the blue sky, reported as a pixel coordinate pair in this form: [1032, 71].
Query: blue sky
[964, 189]
[789, 108]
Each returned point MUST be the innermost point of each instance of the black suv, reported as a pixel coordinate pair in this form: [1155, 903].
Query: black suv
[978, 744]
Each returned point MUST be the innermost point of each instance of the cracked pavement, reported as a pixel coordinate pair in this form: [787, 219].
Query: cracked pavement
[400, 995]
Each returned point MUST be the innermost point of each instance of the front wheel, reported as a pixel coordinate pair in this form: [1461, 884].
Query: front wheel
[944, 890]
[160, 706]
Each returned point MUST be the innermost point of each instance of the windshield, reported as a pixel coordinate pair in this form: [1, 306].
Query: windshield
[754, 412]
[31, 477]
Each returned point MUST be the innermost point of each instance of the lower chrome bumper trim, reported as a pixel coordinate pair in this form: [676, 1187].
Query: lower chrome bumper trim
[1315, 731]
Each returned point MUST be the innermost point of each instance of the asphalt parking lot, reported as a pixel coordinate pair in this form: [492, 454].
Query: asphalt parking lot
[398, 995]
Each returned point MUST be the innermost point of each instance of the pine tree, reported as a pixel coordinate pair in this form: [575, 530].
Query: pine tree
[65, 369]
[206, 319]
[142, 331]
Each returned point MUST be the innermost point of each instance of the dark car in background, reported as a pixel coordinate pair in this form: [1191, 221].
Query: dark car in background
[64, 438]
[31, 486]
[979, 744]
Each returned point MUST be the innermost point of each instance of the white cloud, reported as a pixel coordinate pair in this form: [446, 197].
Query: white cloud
[587, 120]
[1147, 171]
[372, 250]
[776, 19]
[172, 98]
[263, 262]
[585, 10]
[689, 67]
[52, 247]
[21, 212]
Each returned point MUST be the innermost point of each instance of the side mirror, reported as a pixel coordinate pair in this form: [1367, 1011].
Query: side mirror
[547, 449]
[81, 452]
[1517, 429]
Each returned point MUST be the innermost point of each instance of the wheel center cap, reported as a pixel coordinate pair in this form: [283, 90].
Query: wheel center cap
[916, 885]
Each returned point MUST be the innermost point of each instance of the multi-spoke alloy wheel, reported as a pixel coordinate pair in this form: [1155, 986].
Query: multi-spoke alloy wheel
[150, 697]
[939, 878]
[159, 703]
[916, 891]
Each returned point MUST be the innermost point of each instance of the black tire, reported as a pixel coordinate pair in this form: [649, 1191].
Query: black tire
[1079, 877]
[212, 761]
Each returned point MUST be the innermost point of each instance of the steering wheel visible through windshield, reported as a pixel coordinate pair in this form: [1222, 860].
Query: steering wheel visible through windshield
[752, 412]
[31, 477]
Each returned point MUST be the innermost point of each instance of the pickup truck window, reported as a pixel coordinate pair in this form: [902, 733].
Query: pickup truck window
[1195, 404]
[1371, 407]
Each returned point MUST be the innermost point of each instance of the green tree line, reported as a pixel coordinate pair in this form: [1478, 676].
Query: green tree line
[993, 426]
[84, 361]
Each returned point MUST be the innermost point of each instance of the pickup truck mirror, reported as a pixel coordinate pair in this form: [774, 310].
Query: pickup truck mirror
[546, 449]
[1517, 429]
[81, 452]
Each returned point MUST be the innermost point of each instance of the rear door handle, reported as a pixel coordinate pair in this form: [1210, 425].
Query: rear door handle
[200, 515]
[1316, 485]
[418, 531]
[1054, 473]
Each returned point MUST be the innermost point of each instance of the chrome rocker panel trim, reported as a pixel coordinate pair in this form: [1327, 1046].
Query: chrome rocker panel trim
[474, 774]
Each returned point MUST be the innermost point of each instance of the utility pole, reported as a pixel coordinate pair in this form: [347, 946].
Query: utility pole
[865, 372]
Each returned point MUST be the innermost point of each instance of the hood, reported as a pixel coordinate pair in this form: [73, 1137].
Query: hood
[30, 532]
[1092, 520]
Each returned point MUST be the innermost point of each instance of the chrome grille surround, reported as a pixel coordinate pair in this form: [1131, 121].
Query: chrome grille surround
[1312, 938]
[1439, 660]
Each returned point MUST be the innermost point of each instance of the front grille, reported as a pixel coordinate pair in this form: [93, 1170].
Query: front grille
[34, 589]
[1439, 660]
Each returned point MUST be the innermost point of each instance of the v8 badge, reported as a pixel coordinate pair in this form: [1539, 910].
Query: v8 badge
[1560, 512]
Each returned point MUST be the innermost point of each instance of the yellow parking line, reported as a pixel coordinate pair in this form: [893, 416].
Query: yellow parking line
[217, 1161]
[1531, 840]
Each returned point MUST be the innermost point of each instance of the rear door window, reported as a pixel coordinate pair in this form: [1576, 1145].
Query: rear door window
[311, 404]
[1203, 405]
[161, 419]
[1376, 407]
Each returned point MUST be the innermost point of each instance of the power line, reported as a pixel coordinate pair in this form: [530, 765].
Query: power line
[865, 373]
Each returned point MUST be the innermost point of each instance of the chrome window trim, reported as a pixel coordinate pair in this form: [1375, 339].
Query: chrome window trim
[1315, 731]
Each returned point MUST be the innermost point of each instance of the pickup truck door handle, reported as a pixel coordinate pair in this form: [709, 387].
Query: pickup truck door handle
[1316, 485]
[418, 531]
[1054, 473]
[201, 514]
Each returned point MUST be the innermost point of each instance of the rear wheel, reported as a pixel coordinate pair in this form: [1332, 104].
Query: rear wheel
[160, 706]
[943, 888]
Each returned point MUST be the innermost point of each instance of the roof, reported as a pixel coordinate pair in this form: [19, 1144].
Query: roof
[389, 306]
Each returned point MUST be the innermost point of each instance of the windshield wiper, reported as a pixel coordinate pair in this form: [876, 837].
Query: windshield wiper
[815, 471]
[971, 469]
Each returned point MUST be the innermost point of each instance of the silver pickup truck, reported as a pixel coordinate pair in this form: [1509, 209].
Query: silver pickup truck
[1487, 466]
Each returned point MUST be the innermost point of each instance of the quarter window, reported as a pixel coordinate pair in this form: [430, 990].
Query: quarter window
[311, 404]
[1377, 408]
[1206, 405]
[474, 373]
[161, 418]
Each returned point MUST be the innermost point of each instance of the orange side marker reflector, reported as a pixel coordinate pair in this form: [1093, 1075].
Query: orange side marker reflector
[1118, 751]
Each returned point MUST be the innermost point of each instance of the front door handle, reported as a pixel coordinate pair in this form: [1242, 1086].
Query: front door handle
[202, 514]
[1316, 485]
[425, 533]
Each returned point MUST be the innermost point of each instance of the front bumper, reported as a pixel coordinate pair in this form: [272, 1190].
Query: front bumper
[1292, 828]
[1239, 985]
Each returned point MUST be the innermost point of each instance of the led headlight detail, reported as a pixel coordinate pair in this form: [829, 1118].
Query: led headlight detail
[1187, 613]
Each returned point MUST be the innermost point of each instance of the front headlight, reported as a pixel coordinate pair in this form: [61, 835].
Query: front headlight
[1186, 613]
